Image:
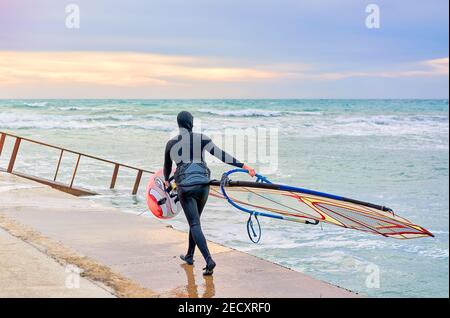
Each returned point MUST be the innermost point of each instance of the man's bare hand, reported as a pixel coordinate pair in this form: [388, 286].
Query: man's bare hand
[250, 170]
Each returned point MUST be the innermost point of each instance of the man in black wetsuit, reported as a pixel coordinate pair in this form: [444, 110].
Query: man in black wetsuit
[192, 180]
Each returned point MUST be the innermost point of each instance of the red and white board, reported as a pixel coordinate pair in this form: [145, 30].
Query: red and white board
[163, 204]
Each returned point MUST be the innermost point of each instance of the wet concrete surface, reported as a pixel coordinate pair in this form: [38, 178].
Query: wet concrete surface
[146, 251]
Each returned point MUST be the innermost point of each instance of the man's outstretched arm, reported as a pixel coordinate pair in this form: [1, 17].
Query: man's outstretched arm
[226, 157]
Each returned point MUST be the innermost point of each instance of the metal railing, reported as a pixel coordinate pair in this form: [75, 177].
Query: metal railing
[18, 141]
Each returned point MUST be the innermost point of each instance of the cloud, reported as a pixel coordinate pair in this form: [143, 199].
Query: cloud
[434, 67]
[438, 66]
[127, 69]
[117, 69]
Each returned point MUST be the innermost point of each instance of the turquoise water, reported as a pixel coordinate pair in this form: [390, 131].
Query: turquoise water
[391, 152]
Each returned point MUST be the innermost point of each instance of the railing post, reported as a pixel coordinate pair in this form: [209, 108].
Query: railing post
[114, 176]
[75, 171]
[14, 154]
[136, 183]
[59, 163]
[2, 142]
[15, 151]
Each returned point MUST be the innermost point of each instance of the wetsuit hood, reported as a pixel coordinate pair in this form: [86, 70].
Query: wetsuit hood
[185, 120]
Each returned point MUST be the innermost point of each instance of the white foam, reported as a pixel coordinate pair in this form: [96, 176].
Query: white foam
[251, 112]
[36, 104]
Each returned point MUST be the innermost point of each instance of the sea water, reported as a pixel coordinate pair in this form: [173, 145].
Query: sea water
[389, 152]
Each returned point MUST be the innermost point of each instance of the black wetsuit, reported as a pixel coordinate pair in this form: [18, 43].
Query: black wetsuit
[185, 149]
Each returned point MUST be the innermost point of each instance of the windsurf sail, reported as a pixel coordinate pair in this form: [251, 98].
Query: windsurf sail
[264, 198]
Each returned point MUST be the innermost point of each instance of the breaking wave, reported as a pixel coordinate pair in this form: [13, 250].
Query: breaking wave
[256, 113]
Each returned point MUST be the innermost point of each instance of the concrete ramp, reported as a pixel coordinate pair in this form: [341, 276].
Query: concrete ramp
[139, 249]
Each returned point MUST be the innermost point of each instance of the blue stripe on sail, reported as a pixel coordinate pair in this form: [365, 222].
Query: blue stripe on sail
[312, 192]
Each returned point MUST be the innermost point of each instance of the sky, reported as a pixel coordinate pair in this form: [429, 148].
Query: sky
[223, 49]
